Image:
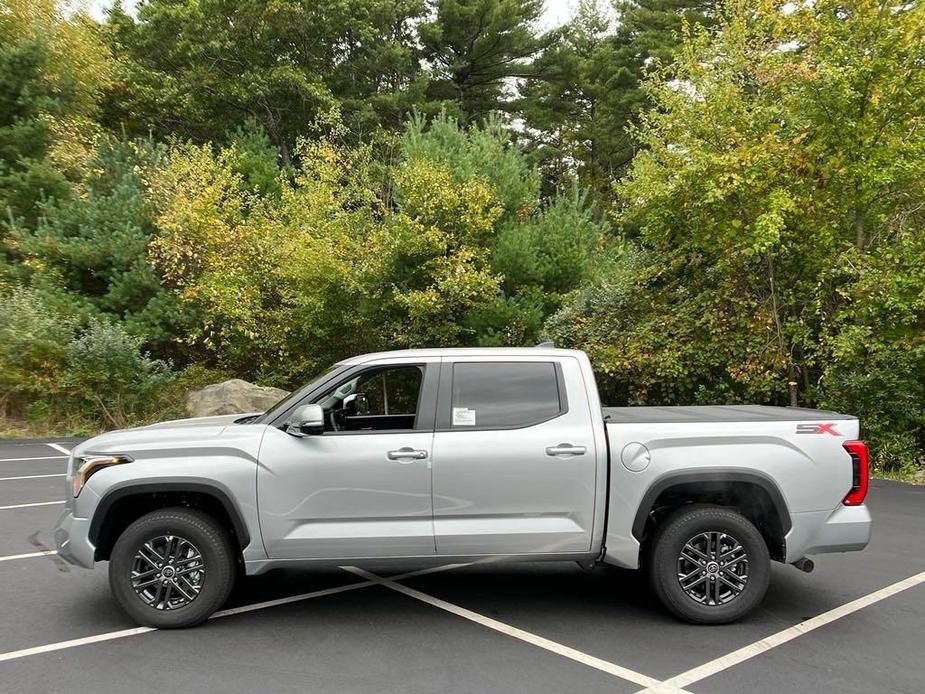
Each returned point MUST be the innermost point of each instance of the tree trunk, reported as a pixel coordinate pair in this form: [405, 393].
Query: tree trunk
[284, 154]
[792, 385]
[859, 228]
[792, 369]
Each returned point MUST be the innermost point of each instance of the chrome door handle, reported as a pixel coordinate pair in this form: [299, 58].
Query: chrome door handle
[566, 449]
[406, 453]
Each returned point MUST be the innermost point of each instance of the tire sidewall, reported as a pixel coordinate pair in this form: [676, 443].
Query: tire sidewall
[212, 543]
[678, 530]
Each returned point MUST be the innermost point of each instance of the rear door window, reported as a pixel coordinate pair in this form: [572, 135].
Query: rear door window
[504, 395]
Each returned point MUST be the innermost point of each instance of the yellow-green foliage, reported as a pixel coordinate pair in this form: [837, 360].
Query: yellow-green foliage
[778, 215]
[76, 69]
[283, 285]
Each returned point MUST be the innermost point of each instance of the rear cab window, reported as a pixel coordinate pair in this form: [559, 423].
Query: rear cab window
[501, 395]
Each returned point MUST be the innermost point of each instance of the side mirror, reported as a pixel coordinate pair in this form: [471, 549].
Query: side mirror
[307, 420]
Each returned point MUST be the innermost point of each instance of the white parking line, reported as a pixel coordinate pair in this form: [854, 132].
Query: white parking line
[37, 503]
[727, 661]
[123, 633]
[86, 640]
[326, 591]
[30, 555]
[507, 629]
[40, 457]
[31, 477]
[60, 448]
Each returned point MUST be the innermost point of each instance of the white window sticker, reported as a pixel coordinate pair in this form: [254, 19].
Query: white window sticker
[463, 417]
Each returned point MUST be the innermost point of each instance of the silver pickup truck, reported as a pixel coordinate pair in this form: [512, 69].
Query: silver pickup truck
[458, 455]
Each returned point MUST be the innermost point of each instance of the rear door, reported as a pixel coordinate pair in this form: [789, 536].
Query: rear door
[514, 457]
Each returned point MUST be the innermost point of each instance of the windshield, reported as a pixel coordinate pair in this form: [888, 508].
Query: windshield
[297, 393]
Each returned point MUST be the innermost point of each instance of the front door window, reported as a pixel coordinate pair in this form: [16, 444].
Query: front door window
[377, 399]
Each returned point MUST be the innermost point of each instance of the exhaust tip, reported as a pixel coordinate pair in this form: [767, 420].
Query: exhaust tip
[805, 564]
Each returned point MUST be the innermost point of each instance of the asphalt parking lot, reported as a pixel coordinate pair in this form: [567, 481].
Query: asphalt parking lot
[857, 624]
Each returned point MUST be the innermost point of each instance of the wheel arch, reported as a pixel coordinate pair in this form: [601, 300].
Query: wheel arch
[755, 494]
[120, 507]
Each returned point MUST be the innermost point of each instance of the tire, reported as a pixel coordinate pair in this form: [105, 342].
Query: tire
[722, 591]
[184, 547]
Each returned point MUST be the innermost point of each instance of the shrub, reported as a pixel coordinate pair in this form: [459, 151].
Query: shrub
[33, 342]
[37, 412]
[884, 385]
[109, 377]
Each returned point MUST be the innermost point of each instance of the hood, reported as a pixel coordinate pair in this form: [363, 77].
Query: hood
[213, 421]
[196, 431]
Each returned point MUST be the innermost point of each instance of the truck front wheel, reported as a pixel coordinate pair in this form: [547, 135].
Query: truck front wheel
[172, 568]
[708, 564]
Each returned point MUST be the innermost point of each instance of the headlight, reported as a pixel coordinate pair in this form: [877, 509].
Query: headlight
[86, 465]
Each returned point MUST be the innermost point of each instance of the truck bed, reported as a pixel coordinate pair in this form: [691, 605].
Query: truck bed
[716, 413]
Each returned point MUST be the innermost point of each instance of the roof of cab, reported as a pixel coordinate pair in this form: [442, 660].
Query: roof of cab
[463, 352]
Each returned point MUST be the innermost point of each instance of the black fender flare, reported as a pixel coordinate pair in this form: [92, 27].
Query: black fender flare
[110, 498]
[707, 476]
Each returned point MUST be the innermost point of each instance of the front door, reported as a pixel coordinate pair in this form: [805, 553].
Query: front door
[514, 458]
[361, 489]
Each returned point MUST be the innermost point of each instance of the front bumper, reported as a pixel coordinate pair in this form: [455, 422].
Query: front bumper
[72, 540]
[846, 529]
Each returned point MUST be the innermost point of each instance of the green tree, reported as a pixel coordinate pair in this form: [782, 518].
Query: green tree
[540, 250]
[64, 367]
[781, 173]
[92, 246]
[53, 69]
[201, 69]
[280, 285]
[588, 92]
[648, 34]
[474, 46]
[377, 74]
[479, 152]
[567, 108]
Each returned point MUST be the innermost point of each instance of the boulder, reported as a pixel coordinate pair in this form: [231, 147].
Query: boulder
[232, 397]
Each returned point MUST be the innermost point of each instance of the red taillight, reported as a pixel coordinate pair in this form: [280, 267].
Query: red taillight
[859, 473]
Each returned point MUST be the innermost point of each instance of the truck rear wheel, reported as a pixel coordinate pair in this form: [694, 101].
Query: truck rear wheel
[709, 564]
[172, 568]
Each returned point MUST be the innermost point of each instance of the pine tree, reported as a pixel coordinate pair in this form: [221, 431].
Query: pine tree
[202, 69]
[588, 88]
[474, 46]
[648, 32]
[52, 70]
[566, 107]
